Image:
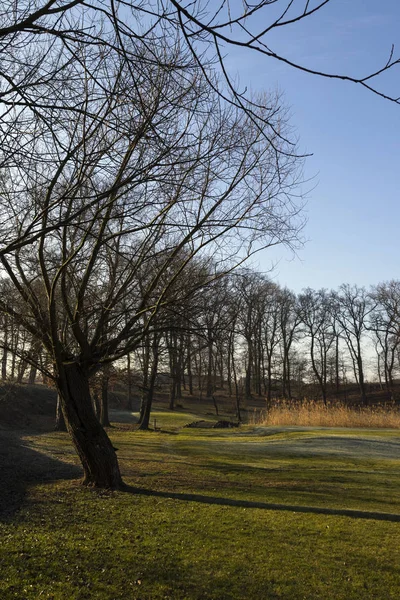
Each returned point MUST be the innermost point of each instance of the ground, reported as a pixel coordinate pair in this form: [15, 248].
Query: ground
[250, 513]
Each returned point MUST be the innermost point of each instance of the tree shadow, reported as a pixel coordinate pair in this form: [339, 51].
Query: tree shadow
[340, 512]
[21, 466]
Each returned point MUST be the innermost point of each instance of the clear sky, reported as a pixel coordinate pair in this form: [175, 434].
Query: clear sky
[353, 213]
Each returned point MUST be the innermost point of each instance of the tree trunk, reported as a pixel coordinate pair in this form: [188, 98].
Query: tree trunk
[145, 412]
[4, 358]
[258, 366]
[237, 397]
[60, 421]
[284, 393]
[173, 359]
[129, 373]
[4, 364]
[228, 367]
[247, 380]
[210, 386]
[32, 375]
[361, 383]
[104, 416]
[199, 371]
[21, 370]
[145, 416]
[189, 366]
[337, 375]
[37, 347]
[379, 371]
[288, 375]
[13, 366]
[319, 376]
[179, 368]
[215, 405]
[221, 371]
[96, 402]
[269, 383]
[178, 381]
[172, 395]
[238, 413]
[94, 448]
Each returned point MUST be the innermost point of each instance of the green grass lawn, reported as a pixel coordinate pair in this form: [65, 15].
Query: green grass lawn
[213, 514]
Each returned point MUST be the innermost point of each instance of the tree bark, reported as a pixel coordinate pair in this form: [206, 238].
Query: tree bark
[94, 448]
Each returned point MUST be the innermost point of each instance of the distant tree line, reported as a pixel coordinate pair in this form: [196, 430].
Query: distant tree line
[250, 337]
[246, 335]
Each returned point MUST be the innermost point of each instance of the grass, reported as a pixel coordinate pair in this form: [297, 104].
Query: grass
[166, 419]
[316, 414]
[213, 514]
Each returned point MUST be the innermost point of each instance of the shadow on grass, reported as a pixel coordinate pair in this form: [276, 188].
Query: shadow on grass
[21, 466]
[341, 512]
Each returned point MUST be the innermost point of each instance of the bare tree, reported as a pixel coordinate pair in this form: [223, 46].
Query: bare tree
[316, 315]
[289, 325]
[272, 334]
[259, 319]
[385, 324]
[148, 389]
[354, 307]
[249, 286]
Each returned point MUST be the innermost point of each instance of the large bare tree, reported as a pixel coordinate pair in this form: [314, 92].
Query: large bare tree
[116, 200]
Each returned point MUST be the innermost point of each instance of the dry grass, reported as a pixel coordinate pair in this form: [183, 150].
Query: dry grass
[315, 414]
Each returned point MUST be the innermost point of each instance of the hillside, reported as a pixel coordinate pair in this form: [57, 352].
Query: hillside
[25, 406]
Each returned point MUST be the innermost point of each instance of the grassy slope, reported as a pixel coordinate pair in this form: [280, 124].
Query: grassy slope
[211, 514]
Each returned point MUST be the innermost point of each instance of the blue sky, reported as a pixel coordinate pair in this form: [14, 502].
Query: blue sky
[353, 227]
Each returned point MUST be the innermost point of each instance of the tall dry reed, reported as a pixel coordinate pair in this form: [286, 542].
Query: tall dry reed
[315, 414]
